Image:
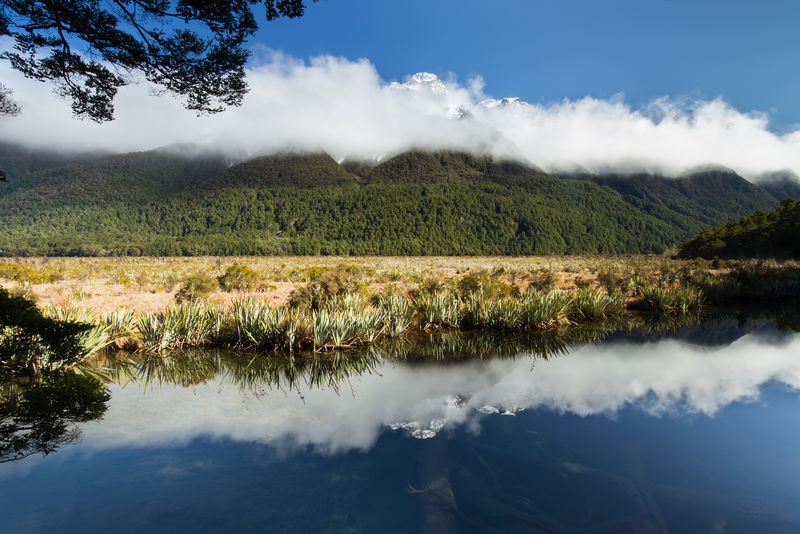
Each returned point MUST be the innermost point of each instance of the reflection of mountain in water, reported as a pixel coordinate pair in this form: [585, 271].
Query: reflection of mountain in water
[712, 332]
[340, 401]
[717, 330]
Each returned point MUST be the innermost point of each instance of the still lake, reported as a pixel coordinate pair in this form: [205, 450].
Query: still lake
[692, 430]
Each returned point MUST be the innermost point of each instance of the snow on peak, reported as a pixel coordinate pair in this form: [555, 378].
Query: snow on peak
[492, 103]
[423, 81]
[459, 112]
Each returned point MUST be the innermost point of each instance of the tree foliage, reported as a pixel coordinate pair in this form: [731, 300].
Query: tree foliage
[90, 48]
[30, 342]
[8, 107]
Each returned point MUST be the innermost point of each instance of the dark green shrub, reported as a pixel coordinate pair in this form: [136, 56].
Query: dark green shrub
[612, 282]
[545, 281]
[432, 286]
[197, 286]
[31, 342]
[328, 285]
[485, 285]
[238, 278]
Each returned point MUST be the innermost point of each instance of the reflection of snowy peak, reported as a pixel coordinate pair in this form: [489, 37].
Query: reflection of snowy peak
[459, 112]
[426, 428]
[423, 81]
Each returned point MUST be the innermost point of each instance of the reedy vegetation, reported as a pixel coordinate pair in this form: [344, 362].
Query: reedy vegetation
[293, 370]
[342, 322]
[335, 311]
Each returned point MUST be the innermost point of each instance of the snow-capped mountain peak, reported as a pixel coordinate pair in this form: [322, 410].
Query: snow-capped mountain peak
[423, 81]
[514, 102]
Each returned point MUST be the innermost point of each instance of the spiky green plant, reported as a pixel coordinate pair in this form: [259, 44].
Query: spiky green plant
[194, 324]
[671, 298]
[120, 328]
[439, 309]
[154, 333]
[397, 315]
[505, 314]
[371, 326]
[472, 312]
[593, 305]
[321, 326]
[542, 310]
[91, 341]
[258, 325]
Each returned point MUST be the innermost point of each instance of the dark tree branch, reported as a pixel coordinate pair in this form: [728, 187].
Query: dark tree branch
[191, 48]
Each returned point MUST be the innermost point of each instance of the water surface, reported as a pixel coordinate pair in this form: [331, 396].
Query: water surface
[693, 431]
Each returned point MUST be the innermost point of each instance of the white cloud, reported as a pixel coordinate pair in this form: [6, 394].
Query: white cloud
[345, 108]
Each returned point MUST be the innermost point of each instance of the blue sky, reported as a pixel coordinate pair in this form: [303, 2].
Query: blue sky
[703, 82]
[547, 50]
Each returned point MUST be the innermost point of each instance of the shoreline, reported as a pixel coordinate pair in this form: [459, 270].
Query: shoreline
[335, 303]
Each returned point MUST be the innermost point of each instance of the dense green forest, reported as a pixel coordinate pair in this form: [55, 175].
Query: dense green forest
[416, 203]
[773, 234]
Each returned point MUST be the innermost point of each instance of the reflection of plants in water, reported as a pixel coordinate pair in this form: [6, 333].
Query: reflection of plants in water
[287, 371]
[250, 372]
[453, 345]
[39, 416]
[789, 322]
[661, 324]
[786, 318]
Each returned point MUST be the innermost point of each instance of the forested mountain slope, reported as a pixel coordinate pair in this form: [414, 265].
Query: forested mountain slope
[705, 197]
[161, 203]
[781, 185]
[771, 234]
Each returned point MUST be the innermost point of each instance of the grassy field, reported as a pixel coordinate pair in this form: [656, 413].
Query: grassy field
[331, 303]
[152, 284]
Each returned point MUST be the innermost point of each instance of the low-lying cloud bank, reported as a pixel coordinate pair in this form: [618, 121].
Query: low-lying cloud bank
[343, 107]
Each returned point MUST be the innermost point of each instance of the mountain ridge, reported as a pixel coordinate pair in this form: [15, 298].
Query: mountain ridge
[416, 202]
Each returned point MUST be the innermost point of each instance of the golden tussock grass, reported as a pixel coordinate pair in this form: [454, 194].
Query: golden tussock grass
[151, 283]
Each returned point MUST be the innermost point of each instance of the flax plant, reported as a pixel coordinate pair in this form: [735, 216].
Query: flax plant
[438, 310]
[92, 340]
[593, 305]
[672, 298]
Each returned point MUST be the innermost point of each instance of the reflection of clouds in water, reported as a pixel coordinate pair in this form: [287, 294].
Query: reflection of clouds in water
[665, 376]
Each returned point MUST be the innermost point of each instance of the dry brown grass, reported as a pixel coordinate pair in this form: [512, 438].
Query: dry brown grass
[150, 284]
